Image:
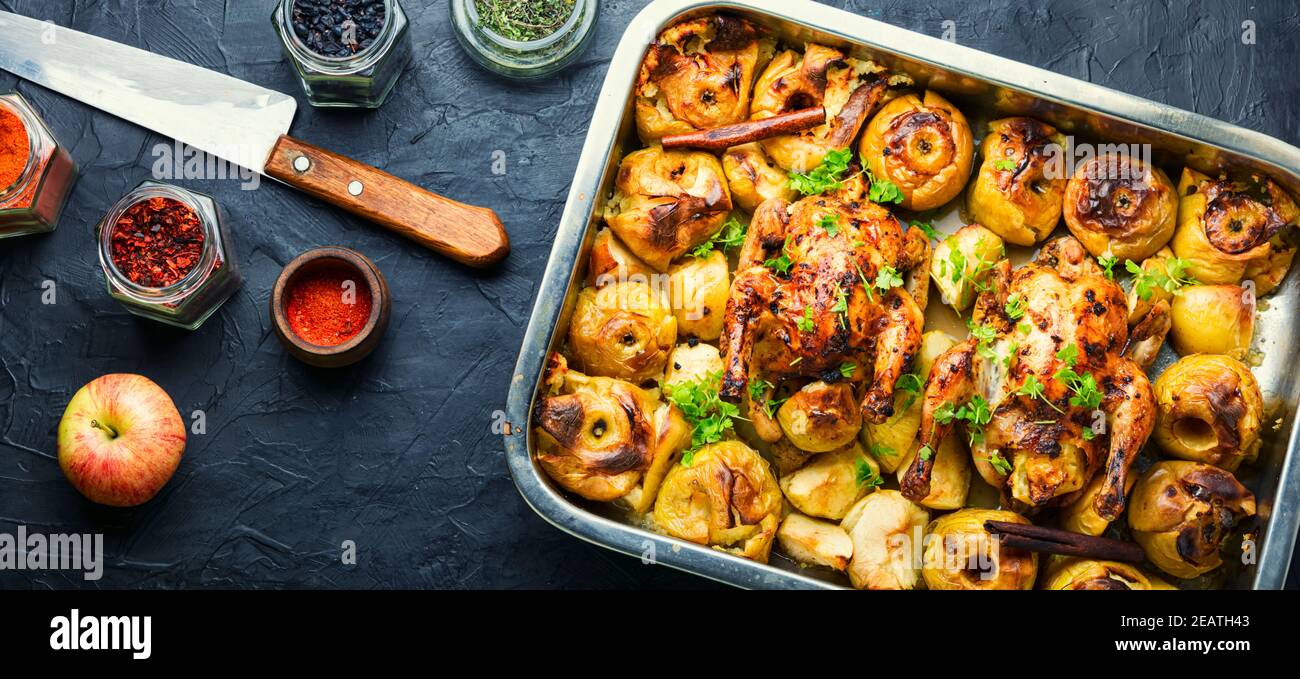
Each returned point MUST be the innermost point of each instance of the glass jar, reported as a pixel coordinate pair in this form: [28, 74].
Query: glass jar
[192, 299]
[35, 199]
[530, 59]
[361, 80]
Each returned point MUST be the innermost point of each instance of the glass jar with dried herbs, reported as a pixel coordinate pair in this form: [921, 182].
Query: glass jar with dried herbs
[166, 254]
[524, 38]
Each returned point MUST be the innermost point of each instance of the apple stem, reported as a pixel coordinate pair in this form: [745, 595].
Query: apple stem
[112, 433]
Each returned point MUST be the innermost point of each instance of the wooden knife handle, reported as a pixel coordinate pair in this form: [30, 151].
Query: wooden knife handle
[466, 233]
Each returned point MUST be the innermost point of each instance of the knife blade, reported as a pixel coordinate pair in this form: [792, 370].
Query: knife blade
[244, 124]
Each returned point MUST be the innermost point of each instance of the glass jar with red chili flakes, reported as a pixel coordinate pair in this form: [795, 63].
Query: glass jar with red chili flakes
[166, 254]
[36, 173]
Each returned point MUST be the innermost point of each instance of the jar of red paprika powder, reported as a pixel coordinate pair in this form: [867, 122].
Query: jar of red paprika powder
[166, 254]
[36, 173]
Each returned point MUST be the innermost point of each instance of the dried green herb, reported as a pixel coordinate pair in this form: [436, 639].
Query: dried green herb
[523, 20]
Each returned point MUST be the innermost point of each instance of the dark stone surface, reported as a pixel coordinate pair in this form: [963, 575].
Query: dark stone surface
[397, 453]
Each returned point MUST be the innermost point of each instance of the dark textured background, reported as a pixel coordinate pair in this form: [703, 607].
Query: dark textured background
[397, 453]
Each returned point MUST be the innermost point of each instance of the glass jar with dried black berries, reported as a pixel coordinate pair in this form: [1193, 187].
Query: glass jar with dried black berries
[347, 53]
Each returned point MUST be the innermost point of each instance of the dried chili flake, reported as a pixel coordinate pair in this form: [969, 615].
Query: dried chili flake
[157, 242]
[328, 306]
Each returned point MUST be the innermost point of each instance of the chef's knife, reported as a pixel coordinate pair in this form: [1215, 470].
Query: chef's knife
[244, 124]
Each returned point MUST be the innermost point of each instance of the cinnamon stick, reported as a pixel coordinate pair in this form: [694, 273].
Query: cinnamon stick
[1056, 541]
[720, 138]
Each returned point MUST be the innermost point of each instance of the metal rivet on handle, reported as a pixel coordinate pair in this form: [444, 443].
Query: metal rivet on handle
[302, 163]
[355, 188]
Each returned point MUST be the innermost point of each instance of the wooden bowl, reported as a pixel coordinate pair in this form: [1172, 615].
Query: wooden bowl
[358, 346]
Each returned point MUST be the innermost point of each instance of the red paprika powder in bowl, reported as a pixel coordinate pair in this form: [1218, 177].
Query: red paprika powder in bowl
[330, 307]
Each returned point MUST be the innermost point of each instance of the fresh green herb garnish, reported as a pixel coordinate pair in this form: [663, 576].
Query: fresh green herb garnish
[847, 369]
[983, 333]
[1069, 354]
[865, 475]
[731, 235]
[883, 191]
[954, 267]
[887, 278]
[999, 463]
[781, 264]
[910, 384]
[1086, 393]
[825, 177]
[1088, 434]
[841, 306]
[831, 223]
[928, 230]
[772, 404]
[806, 322]
[976, 414]
[757, 387]
[1034, 389]
[710, 416]
[1015, 306]
[925, 453]
[879, 450]
[1108, 262]
[1171, 276]
[945, 413]
[1024, 327]
[1006, 164]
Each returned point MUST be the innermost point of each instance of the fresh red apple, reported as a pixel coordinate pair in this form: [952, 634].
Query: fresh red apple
[120, 440]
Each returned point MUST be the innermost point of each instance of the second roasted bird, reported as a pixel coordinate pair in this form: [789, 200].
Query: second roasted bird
[1043, 386]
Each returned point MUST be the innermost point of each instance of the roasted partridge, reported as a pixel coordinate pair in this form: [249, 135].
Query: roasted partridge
[1043, 386]
[805, 299]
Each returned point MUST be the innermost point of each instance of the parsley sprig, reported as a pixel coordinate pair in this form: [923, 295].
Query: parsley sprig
[883, 191]
[827, 176]
[805, 322]
[954, 266]
[999, 463]
[928, 230]
[1084, 386]
[841, 306]
[975, 413]
[888, 278]
[1032, 388]
[710, 416]
[1108, 262]
[1015, 307]
[757, 387]
[1171, 276]
[866, 475]
[782, 264]
[831, 222]
[910, 384]
[731, 235]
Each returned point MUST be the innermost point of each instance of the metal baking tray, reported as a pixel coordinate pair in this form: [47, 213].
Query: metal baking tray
[975, 81]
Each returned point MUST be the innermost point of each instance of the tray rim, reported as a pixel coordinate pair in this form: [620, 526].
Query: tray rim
[1275, 553]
